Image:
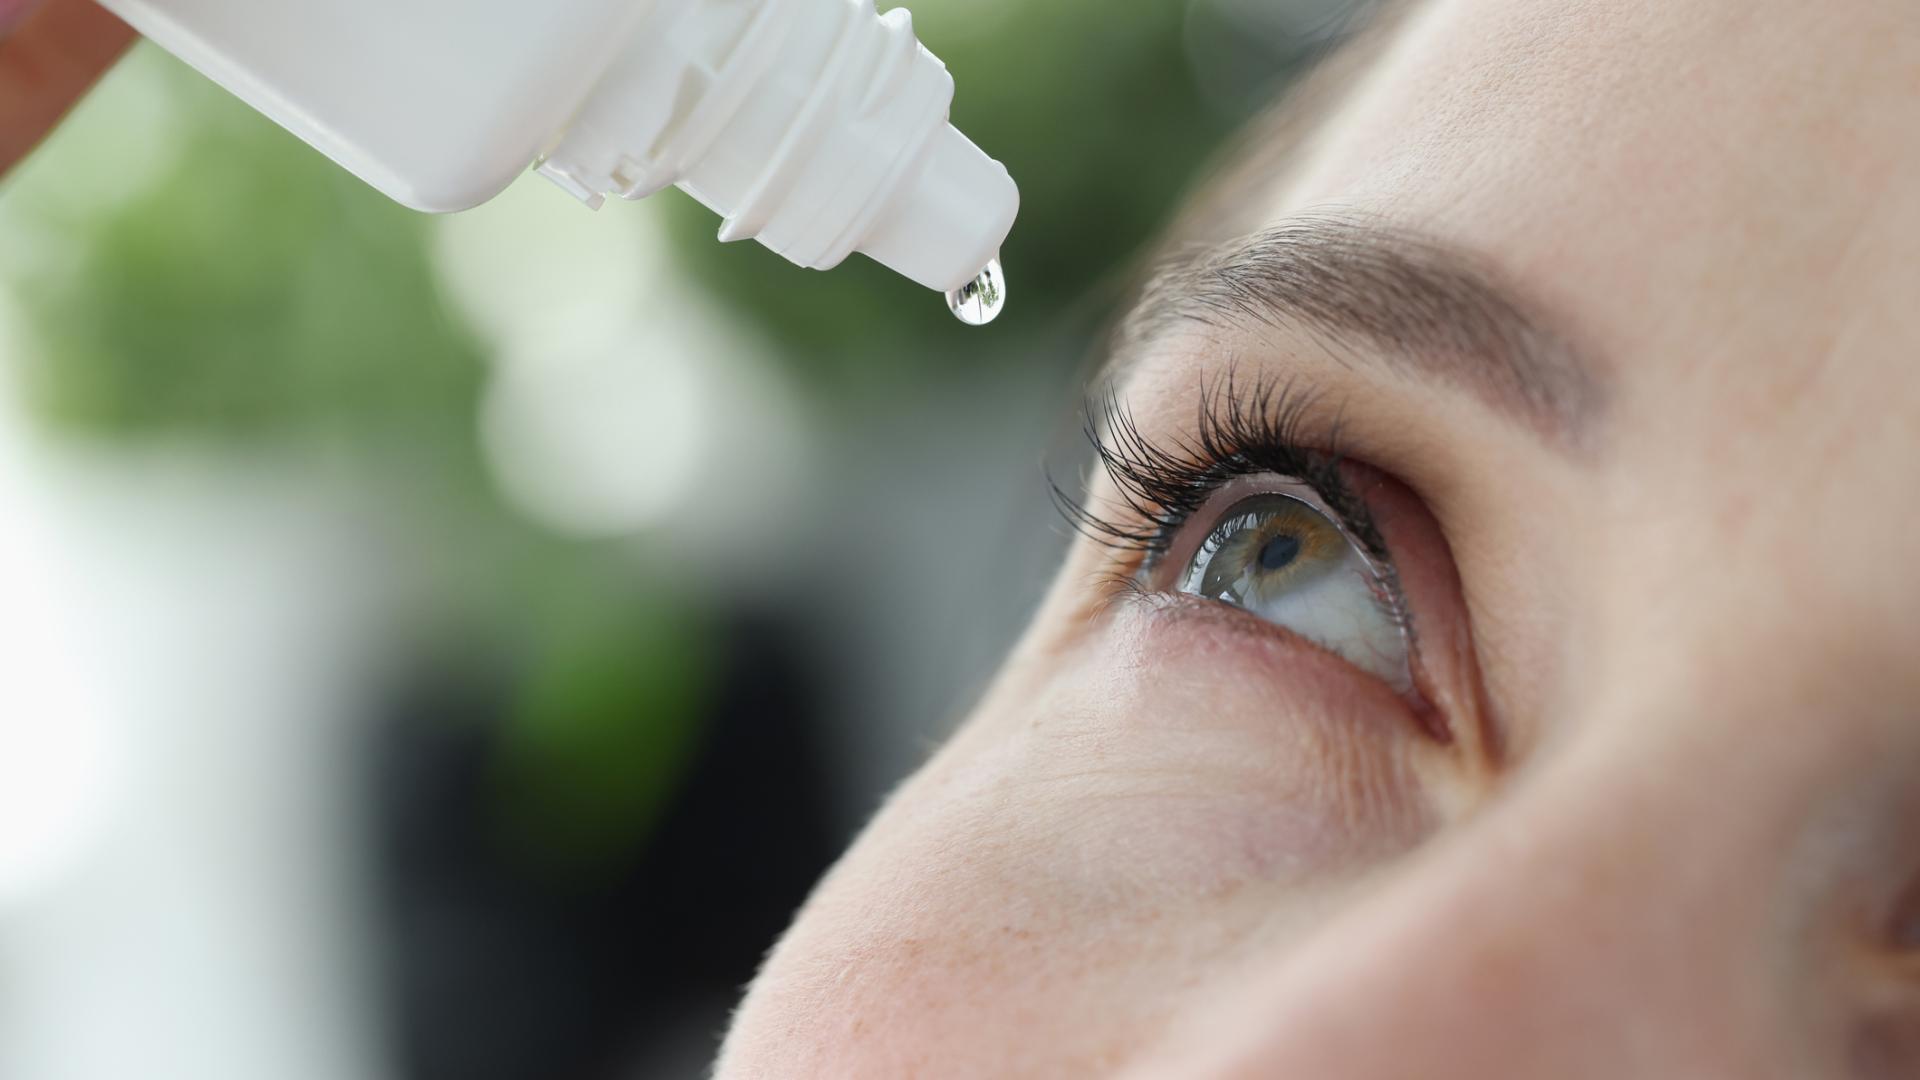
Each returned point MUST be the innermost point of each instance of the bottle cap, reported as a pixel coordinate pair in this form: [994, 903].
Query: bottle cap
[817, 127]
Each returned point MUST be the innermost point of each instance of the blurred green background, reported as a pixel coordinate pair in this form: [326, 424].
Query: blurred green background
[652, 561]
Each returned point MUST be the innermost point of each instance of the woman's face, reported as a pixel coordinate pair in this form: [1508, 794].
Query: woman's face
[1569, 724]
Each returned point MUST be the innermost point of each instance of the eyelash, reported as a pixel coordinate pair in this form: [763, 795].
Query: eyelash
[1238, 431]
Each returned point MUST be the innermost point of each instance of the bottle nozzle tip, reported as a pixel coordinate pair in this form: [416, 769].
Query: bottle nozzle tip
[949, 217]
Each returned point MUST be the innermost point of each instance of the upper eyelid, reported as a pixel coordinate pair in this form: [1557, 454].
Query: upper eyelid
[1240, 427]
[1246, 486]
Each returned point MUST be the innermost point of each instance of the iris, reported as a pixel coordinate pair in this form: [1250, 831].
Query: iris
[1284, 560]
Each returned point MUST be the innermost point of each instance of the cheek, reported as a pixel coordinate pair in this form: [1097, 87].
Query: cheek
[1094, 848]
[1186, 753]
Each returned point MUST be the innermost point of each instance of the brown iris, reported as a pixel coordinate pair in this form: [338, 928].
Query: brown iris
[1264, 545]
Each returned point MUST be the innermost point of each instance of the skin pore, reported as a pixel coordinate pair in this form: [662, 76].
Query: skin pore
[1625, 368]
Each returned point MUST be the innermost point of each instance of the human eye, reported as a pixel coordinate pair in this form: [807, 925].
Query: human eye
[1276, 551]
[1252, 508]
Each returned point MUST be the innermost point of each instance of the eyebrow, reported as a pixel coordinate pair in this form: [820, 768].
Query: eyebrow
[1429, 311]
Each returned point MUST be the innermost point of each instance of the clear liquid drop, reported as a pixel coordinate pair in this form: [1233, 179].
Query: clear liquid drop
[979, 300]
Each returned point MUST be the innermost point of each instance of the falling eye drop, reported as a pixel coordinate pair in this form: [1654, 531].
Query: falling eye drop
[979, 300]
[817, 127]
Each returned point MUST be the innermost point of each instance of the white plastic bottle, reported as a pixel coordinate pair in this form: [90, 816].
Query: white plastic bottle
[815, 126]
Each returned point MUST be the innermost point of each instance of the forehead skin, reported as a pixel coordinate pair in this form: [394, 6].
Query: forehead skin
[1721, 195]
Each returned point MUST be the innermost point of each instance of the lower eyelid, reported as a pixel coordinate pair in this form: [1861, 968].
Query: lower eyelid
[1176, 606]
[1176, 624]
[1214, 616]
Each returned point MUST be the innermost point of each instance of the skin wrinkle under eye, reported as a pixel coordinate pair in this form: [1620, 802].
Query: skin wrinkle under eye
[1342, 760]
[1427, 309]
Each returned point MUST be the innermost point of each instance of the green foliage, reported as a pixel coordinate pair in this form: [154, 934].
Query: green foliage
[254, 290]
[254, 294]
[603, 721]
[1093, 109]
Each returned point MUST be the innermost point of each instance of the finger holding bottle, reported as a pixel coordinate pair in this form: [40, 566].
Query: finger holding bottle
[51, 53]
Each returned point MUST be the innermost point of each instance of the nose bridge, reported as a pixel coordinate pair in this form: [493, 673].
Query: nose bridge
[1597, 921]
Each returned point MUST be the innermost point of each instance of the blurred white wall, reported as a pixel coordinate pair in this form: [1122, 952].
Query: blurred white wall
[181, 646]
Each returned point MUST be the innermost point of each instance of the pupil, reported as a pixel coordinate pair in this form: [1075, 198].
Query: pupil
[1278, 552]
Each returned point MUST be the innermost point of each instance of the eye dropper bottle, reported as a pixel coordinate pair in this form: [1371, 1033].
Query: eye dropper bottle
[817, 127]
